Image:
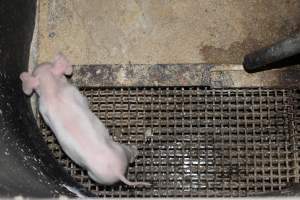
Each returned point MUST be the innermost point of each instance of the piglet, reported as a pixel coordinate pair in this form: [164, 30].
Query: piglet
[82, 136]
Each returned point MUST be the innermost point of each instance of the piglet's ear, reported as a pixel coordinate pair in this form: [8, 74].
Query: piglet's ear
[29, 83]
[61, 65]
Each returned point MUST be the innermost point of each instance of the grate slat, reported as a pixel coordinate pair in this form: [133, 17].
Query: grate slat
[197, 142]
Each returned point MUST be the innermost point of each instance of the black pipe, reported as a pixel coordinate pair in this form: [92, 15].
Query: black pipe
[268, 57]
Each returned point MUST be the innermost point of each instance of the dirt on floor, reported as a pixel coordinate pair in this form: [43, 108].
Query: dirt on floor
[162, 31]
[143, 34]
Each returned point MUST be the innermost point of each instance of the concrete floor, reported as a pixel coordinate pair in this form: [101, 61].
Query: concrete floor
[163, 31]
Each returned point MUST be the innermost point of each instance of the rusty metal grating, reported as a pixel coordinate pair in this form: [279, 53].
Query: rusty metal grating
[197, 142]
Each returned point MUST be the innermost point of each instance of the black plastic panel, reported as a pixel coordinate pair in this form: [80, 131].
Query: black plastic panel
[27, 167]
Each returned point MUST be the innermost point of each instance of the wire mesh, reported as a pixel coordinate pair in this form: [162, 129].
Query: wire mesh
[196, 141]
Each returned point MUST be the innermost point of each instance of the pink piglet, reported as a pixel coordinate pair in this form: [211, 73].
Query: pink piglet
[82, 136]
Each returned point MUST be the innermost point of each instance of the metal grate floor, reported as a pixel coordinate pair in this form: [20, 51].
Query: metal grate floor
[197, 142]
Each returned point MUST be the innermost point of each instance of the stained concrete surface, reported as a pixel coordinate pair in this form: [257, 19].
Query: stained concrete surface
[162, 31]
[154, 32]
[216, 76]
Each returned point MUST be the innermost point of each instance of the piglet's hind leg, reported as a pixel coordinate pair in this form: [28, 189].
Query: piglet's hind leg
[131, 152]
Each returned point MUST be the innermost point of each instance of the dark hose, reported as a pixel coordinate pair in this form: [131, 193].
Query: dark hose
[261, 59]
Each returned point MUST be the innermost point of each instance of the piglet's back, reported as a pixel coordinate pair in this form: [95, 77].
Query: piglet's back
[73, 122]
